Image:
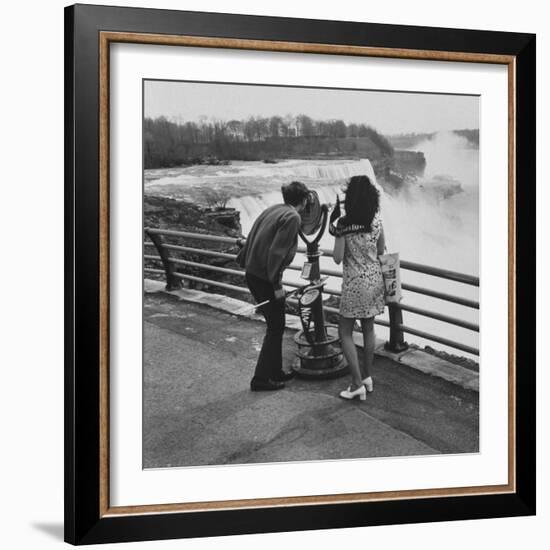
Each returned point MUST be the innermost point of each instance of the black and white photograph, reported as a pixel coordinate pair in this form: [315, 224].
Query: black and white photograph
[310, 274]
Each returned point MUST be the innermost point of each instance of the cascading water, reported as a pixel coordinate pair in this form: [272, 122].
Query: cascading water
[431, 220]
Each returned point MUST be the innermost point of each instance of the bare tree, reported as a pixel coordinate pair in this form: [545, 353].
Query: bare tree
[216, 198]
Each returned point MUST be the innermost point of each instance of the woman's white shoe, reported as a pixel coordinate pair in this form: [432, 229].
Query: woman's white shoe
[369, 384]
[360, 392]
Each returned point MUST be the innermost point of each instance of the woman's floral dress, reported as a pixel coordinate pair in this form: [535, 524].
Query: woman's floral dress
[362, 284]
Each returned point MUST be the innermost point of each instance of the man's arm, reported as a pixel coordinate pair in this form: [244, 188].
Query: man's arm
[284, 240]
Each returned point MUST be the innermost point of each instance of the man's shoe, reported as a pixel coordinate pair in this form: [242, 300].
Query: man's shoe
[284, 376]
[266, 385]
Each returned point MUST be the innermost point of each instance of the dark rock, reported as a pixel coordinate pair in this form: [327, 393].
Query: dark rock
[178, 215]
[409, 162]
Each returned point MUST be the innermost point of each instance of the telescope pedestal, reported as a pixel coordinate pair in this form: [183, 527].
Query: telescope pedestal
[321, 360]
[319, 354]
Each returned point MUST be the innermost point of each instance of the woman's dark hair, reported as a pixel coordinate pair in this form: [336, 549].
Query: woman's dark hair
[361, 203]
[294, 193]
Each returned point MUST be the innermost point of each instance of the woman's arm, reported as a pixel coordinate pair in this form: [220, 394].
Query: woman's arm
[338, 252]
[381, 243]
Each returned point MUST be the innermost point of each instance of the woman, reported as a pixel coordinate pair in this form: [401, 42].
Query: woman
[359, 242]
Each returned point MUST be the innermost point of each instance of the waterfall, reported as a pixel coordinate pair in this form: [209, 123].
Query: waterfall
[251, 206]
[327, 178]
[306, 170]
[417, 224]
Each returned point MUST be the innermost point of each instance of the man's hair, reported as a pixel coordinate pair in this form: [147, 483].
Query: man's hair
[294, 193]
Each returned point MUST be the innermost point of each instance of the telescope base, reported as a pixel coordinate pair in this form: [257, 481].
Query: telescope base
[319, 359]
[316, 372]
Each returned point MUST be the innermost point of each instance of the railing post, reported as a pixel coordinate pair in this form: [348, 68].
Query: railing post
[172, 282]
[396, 342]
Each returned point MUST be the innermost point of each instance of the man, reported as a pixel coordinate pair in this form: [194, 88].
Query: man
[269, 249]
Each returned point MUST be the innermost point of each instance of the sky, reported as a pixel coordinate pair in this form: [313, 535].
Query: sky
[388, 112]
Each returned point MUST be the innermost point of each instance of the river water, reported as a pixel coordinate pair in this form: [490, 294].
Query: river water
[434, 220]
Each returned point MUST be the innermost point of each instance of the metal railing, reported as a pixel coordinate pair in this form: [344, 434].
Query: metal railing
[397, 328]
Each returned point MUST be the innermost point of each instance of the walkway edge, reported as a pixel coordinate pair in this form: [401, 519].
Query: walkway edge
[413, 357]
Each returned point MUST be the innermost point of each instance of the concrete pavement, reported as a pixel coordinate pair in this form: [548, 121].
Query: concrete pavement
[198, 408]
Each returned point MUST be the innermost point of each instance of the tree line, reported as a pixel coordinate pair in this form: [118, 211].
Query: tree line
[169, 143]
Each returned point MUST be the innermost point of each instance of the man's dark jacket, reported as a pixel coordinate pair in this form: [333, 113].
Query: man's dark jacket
[271, 244]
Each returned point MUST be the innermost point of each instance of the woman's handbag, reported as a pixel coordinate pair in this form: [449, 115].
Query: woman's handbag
[392, 277]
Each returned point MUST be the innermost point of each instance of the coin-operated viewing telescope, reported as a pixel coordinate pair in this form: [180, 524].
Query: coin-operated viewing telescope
[319, 352]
